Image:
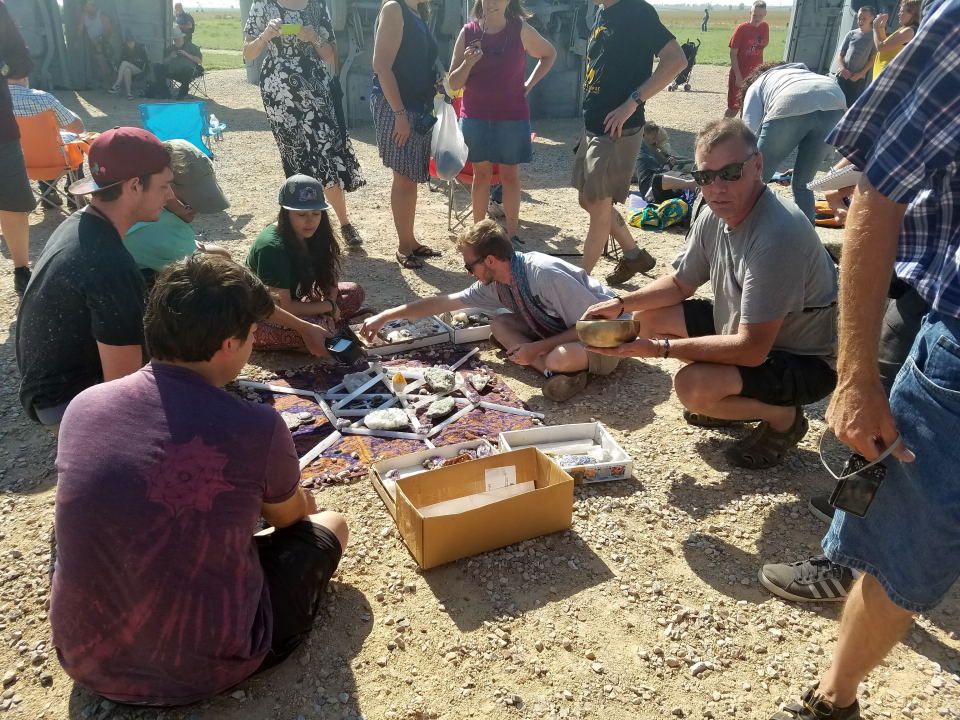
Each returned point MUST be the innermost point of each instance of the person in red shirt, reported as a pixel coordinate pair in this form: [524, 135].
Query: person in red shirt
[746, 53]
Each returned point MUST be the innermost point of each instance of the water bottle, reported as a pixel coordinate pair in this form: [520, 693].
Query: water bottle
[214, 126]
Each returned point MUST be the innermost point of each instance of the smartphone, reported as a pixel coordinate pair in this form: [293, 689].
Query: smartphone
[854, 494]
[290, 28]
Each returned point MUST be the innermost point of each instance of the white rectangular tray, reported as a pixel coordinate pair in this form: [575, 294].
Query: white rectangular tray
[620, 465]
[445, 335]
[471, 334]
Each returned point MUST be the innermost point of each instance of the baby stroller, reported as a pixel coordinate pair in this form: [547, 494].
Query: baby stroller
[690, 52]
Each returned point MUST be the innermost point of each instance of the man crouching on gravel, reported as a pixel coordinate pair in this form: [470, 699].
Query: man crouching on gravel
[161, 594]
[766, 345]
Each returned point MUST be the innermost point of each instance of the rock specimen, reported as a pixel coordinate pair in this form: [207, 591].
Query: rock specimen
[440, 380]
[441, 408]
[389, 419]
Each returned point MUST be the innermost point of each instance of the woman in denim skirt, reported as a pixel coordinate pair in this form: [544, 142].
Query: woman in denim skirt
[401, 102]
[489, 62]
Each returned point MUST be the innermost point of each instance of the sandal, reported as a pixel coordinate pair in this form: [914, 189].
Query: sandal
[410, 262]
[705, 421]
[765, 447]
[423, 251]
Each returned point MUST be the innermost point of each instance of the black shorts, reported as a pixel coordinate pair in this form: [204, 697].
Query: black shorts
[782, 379]
[298, 562]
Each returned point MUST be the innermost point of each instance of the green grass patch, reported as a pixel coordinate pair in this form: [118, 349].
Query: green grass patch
[218, 30]
[714, 50]
[218, 61]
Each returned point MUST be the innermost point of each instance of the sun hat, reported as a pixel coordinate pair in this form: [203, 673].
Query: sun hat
[194, 181]
[302, 192]
[120, 154]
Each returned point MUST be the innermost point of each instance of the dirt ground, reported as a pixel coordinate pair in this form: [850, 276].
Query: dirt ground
[649, 607]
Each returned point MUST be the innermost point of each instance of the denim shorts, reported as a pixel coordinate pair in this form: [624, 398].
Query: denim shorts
[506, 142]
[910, 537]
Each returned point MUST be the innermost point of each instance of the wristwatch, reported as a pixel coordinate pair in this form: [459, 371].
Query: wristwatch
[635, 96]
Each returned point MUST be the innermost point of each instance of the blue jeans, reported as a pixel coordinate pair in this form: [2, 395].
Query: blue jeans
[910, 537]
[805, 134]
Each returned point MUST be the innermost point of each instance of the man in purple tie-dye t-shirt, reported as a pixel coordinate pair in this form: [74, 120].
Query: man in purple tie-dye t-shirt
[161, 593]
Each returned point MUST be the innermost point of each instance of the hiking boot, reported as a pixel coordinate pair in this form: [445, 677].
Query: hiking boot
[814, 707]
[820, 507]
[351, 236]
[21, 276]
[627, 268]
[561, 388]
[817, 579]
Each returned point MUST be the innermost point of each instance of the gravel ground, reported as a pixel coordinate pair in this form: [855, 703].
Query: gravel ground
[648, 608]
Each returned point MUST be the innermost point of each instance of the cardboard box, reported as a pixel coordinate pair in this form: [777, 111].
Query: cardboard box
[471, 334]
[444, 538]
[444, 334]
[549, 437]
[412, 464]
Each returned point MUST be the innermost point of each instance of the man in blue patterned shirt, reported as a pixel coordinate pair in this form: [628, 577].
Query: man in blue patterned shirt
[904, 133]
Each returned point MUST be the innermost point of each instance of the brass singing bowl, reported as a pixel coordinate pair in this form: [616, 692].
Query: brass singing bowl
[607, 333]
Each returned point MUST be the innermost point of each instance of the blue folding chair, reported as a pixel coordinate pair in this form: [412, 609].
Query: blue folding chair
[178, 121]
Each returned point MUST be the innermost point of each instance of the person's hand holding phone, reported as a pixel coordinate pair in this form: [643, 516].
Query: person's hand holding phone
[308, 35]
[472, 54]
[272, 29]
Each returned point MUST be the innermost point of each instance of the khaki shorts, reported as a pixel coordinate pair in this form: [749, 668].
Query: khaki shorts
[604, 164]
[598, 364]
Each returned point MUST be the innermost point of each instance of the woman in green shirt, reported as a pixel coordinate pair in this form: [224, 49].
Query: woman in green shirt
[298, 259]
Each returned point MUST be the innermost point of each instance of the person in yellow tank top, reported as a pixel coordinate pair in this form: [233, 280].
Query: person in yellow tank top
[889, 45]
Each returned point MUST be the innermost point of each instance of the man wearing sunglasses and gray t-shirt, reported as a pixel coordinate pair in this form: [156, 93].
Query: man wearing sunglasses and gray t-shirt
[765, 345]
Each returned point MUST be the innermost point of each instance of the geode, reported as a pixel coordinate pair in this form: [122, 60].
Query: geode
[479, 381]
[389, 419]
[440, 380]
[441, 408]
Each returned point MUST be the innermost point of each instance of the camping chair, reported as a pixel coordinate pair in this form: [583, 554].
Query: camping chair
[457, 216]
[198, 86]
[177, 121]
[46, 156]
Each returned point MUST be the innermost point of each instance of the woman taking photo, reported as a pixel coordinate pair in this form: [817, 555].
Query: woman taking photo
[298, 259]
[889, 45]
[489, 60]
[296, 86]
[133, 60]
[401, 102]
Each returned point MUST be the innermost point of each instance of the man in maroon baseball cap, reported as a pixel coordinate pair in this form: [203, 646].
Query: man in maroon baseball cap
[81, 318]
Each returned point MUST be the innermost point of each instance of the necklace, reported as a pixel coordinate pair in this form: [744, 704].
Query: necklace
[503, 40]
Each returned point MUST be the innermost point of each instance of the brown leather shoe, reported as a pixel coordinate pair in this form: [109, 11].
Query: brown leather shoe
[626, 269]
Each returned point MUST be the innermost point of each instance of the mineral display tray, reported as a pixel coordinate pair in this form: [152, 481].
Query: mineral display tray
[550, 437]
[382, 348]
[472, 333]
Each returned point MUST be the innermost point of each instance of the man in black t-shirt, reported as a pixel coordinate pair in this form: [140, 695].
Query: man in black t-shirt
[618, 80]
[81, 318]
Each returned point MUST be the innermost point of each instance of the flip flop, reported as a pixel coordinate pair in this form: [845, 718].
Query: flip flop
[423, 251]
[410, 262]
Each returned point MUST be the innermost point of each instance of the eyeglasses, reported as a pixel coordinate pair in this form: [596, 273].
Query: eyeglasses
[730, 173]
[471, 265]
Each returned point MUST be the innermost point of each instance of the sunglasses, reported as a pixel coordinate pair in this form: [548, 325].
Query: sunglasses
[471, 265]
[730, 173]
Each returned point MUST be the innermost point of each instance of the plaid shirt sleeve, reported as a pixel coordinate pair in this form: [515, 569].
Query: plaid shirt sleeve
[27, 101]
[904, 128]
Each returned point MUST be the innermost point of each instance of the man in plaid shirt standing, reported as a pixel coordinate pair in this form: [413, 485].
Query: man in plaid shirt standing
[904, 133]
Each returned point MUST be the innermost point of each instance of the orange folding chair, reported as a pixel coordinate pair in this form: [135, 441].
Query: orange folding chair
[46, 155]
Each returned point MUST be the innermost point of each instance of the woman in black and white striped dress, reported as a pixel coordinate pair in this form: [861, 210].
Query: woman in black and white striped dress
[404, 59]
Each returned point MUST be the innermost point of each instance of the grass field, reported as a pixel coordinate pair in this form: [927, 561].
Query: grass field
[220, 30]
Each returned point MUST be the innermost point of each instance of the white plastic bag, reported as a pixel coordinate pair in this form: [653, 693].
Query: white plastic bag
[447, 147]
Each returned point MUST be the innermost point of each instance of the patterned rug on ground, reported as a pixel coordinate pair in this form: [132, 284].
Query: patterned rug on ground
[350, 458]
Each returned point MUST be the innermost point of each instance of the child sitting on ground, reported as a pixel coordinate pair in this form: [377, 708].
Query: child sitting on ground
[655, 155]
